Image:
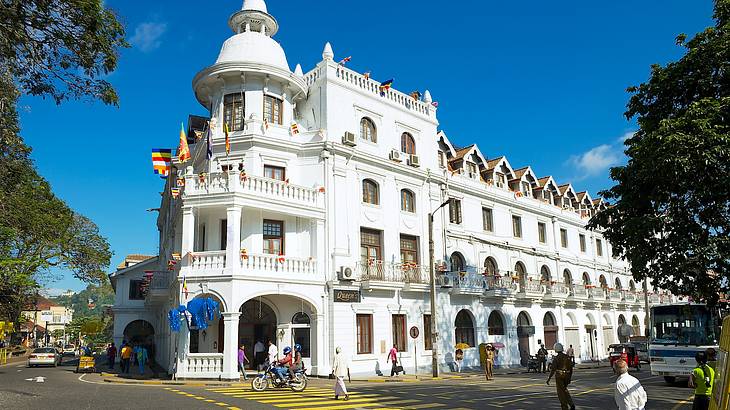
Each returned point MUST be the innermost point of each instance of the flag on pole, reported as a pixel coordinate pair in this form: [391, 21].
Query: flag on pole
[183, 151]
[175, 192]
[228, 138]
[161, 158]
[386, 84]
[185, 286]
[367, 75]
[266, 124]
[416, 95]
[294, 128]
[345, 60]
[209, 142]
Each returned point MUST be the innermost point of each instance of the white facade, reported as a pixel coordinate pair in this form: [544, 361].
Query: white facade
[310, 186]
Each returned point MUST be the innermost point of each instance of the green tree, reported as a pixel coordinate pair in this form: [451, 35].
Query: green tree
[671, 203]
[101, 294]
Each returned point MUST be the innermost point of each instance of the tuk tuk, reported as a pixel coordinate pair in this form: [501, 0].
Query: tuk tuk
[624, 351]
[86, 364]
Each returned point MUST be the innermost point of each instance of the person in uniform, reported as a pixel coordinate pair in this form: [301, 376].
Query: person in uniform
[562, 368]
[542, 358]
[489, 362]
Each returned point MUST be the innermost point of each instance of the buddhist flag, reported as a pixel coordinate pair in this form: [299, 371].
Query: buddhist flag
[386, 85]
[228, 138]
[175, 192]
[345, 60]
[161, 158]
[183, 151]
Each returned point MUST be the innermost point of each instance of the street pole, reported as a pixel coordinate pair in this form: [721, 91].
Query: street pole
[647, 312]
[432, 273]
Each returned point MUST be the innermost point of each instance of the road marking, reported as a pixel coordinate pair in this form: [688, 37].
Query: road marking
[311, 398]
[362, 402]
[592, 390]
[683, 402]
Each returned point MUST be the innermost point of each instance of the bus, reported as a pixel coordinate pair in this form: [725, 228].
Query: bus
[678, 332]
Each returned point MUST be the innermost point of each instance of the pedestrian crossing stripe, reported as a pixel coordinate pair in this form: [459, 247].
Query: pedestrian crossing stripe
[311, 398]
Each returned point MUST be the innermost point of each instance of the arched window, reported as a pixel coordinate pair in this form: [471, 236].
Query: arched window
[523, 319]
[621, 320]
[545, 274]
[407, 201]
[457, 262]
[300, 318]
[635, 324]
[407, 144]
[586, 279]
[370, 194]
[548, 320]
[464, 328]
[367, 130]
[550, 330]
[490, 267]
[495, 324]
[632, 285]
[602, 281]
[618, 285]
[521, 273]
[567, 278]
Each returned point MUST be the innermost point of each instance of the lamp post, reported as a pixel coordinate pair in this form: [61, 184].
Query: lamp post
[434, 334]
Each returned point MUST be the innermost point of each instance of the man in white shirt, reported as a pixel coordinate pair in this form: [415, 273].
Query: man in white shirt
[259, 354]
[629, 394]
[273, 352]
[571, 354]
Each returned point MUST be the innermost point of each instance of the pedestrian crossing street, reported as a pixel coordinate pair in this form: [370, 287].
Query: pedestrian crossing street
[323, 398]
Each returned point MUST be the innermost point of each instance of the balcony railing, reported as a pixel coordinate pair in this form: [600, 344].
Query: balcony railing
[161, 281]
[614, 295]
[201, 366]
[501, 286]
[469, 283]
[279, 264]
[654, 299]
[532, 288]
[211, 260]
[558, 290]
[596, 294]
[579, 292]
[629, 296]
[392, 274]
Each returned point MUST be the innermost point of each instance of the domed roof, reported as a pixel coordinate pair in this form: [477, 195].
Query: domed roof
[259, 5]
[253, 47]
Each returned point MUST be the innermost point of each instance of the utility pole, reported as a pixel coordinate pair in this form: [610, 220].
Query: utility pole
[432, 273]
[647, 314]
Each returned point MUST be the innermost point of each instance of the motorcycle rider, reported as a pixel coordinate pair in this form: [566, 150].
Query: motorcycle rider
[296, 361]
[281, 368]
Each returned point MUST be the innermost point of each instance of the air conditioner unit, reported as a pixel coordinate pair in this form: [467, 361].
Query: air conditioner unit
[346, 273]
[414, 161]
[447, 281]
[395, 155]
[349, 139]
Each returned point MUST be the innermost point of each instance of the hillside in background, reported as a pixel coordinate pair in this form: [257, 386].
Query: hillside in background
[80, 302]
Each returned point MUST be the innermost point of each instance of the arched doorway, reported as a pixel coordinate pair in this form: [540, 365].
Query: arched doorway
[551, 330]
[464, 328]
[591, 337]
[139, 332]
[568, 279]
[521, 275]
[524, 331]
[257, 323]
[635, 324]
[572, 334]
[608, 332]
[301, 333]
[621, 329]
[458, 264]
[490, 267]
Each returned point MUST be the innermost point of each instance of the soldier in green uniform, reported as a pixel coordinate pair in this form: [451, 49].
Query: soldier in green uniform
[562, 368]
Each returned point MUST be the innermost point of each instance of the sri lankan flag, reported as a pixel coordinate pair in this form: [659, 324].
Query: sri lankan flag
[161, 159]
[386, 85]
[183, 151]
[228, 138]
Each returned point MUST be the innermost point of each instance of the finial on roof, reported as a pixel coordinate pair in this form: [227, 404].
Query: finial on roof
[298, 71]
[427, 97]
[259, 5]
[328, 54]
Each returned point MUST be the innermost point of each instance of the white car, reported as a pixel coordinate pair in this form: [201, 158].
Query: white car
[44, 356]
[69, 350]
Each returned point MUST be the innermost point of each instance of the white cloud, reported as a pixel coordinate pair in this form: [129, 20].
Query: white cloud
[147, 36]
[53, 292]
[596, 160]
[626, 136]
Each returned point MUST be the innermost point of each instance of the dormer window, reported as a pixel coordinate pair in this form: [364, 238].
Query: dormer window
[407, 144]
[367, 130]
[525, 187]
[501, 180]
[273, 108]
[472, 169]
[442, 161]
[233, 111]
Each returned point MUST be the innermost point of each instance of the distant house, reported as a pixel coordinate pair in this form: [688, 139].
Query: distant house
[35, 313]
[131, 314]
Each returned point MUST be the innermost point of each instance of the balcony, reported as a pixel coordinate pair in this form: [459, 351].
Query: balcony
[159, 289]
[201, 366]
[596, 294]
[207, 263]
[273, 265]
[579, 292]
[531, 290]
[630, 296]
[665, 298]
[557, 290]
[262, 192]
[614, 295]
[654, 299]
[469, 283]
[500, 286]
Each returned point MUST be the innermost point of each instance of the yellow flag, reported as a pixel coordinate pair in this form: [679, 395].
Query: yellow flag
[183, 151]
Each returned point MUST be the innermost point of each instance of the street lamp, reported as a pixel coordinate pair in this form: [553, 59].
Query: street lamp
[434, 335]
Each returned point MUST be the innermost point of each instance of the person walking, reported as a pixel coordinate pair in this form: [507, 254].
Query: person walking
[142, 356]
[126, 355]
[458, 359]
[242, 360]
[629, 394]
[340, 369]
[542, 357]
[393, 358]
[273, 354]
[702, 379]
[111, 355]
[571, 353]
[563, 370]
[259, 354]
[489, 362]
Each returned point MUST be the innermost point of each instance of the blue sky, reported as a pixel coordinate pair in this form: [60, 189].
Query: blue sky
[540, 82]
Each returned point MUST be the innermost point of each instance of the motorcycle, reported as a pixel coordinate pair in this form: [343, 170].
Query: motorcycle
[270, 379]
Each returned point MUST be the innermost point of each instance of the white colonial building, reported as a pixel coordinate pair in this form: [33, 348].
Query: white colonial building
[314, 230]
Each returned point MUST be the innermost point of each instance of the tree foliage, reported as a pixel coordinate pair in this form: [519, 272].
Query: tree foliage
[101, 295]
[671, 213]
[61, 48]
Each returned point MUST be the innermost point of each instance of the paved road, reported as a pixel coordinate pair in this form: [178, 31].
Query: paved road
[63, 389]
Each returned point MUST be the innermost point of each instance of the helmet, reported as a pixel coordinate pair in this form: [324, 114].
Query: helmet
[297, 347]
[287, 350]
[701, 357]
[558, 347]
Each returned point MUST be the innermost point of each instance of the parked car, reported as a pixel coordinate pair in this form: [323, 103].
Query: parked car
[69, 350]
[44, 356]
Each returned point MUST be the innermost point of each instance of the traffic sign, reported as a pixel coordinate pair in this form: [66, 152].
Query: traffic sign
[414, 332]
[47, 316]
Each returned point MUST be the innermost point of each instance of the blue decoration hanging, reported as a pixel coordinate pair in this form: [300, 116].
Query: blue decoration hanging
[175, 316]
[203, 310]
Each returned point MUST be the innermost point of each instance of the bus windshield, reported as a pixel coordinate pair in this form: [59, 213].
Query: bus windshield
[684, 325]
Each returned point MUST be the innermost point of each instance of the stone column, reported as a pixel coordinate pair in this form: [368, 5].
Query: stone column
[188, 231]
[230, 346]
[233, 238]
[320, 363]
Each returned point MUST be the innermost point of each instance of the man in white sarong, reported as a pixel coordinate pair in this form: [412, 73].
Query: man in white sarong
[340, 369]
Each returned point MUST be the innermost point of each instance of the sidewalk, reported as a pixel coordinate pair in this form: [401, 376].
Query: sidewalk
[15, 360]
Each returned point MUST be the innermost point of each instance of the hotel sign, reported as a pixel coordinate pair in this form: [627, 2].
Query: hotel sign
[347, 296]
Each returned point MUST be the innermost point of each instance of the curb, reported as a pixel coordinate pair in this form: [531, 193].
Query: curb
[172, 383]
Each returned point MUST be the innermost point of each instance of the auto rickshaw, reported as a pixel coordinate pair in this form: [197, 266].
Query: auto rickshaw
[626, 352]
